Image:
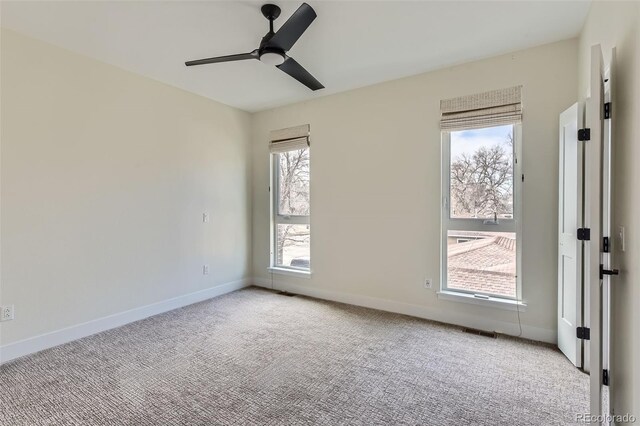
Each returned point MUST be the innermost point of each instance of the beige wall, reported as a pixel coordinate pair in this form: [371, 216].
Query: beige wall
[615, 24]
[105, 175]
[375, 188]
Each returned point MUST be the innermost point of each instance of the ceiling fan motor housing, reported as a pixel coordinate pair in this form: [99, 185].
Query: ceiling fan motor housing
[270, 55]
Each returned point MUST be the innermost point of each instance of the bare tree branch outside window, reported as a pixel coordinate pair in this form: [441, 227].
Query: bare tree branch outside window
[293, 199]
[482, 182]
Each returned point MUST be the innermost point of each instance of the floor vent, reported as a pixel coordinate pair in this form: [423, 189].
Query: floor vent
[491, 334]
[286, 293]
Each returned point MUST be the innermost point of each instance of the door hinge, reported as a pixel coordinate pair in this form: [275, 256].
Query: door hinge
[584, 134]
[607, 110]
[584, 234]
[583, 333]
[605, 245]
[605, 377]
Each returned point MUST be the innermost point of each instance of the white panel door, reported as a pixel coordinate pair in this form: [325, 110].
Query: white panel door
[607, 252]
[569, 248]
[593, 220]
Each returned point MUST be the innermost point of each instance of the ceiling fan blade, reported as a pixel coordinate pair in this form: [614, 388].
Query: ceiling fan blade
[291, 30]
[295, 70]
[228, 58]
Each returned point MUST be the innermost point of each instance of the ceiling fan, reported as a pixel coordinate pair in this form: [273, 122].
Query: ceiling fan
[274, 45]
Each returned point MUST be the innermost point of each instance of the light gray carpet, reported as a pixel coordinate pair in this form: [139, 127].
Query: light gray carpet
[255, 357]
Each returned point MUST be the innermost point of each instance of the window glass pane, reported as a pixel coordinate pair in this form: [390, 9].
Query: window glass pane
[292, 245]
[482, 173]
[482, 262]
[293, 183]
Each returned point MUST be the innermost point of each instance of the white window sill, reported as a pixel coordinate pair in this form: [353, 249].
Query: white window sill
[299, 273]
[492, 302]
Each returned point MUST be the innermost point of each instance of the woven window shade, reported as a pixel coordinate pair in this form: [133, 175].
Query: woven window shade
[494, 108]
[289, 139]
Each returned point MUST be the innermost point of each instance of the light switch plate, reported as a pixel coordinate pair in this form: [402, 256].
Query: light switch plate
[621, 241]
[6, 313]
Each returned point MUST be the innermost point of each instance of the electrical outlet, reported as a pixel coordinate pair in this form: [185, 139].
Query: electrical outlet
[205, 270]
[205, 217]
[6, 313]
[428, 283]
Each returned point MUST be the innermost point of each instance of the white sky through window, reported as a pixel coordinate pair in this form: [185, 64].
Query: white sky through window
[470, 140]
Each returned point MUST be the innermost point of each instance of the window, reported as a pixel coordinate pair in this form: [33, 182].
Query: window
[290, 209]
[480, 212]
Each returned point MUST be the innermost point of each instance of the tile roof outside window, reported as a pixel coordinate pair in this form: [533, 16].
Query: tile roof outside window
[486, 263]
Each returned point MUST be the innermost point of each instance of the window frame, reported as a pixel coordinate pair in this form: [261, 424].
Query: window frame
[513, 224]
[284, 219]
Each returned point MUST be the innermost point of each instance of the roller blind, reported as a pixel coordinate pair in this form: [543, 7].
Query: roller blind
[494, 108]
[289, 139]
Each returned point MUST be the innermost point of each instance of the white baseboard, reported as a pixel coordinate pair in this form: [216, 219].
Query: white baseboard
[55, 338]
[75, 332]
[456, 318]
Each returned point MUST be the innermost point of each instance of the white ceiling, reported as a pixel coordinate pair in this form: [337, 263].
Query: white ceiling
[351, 43]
